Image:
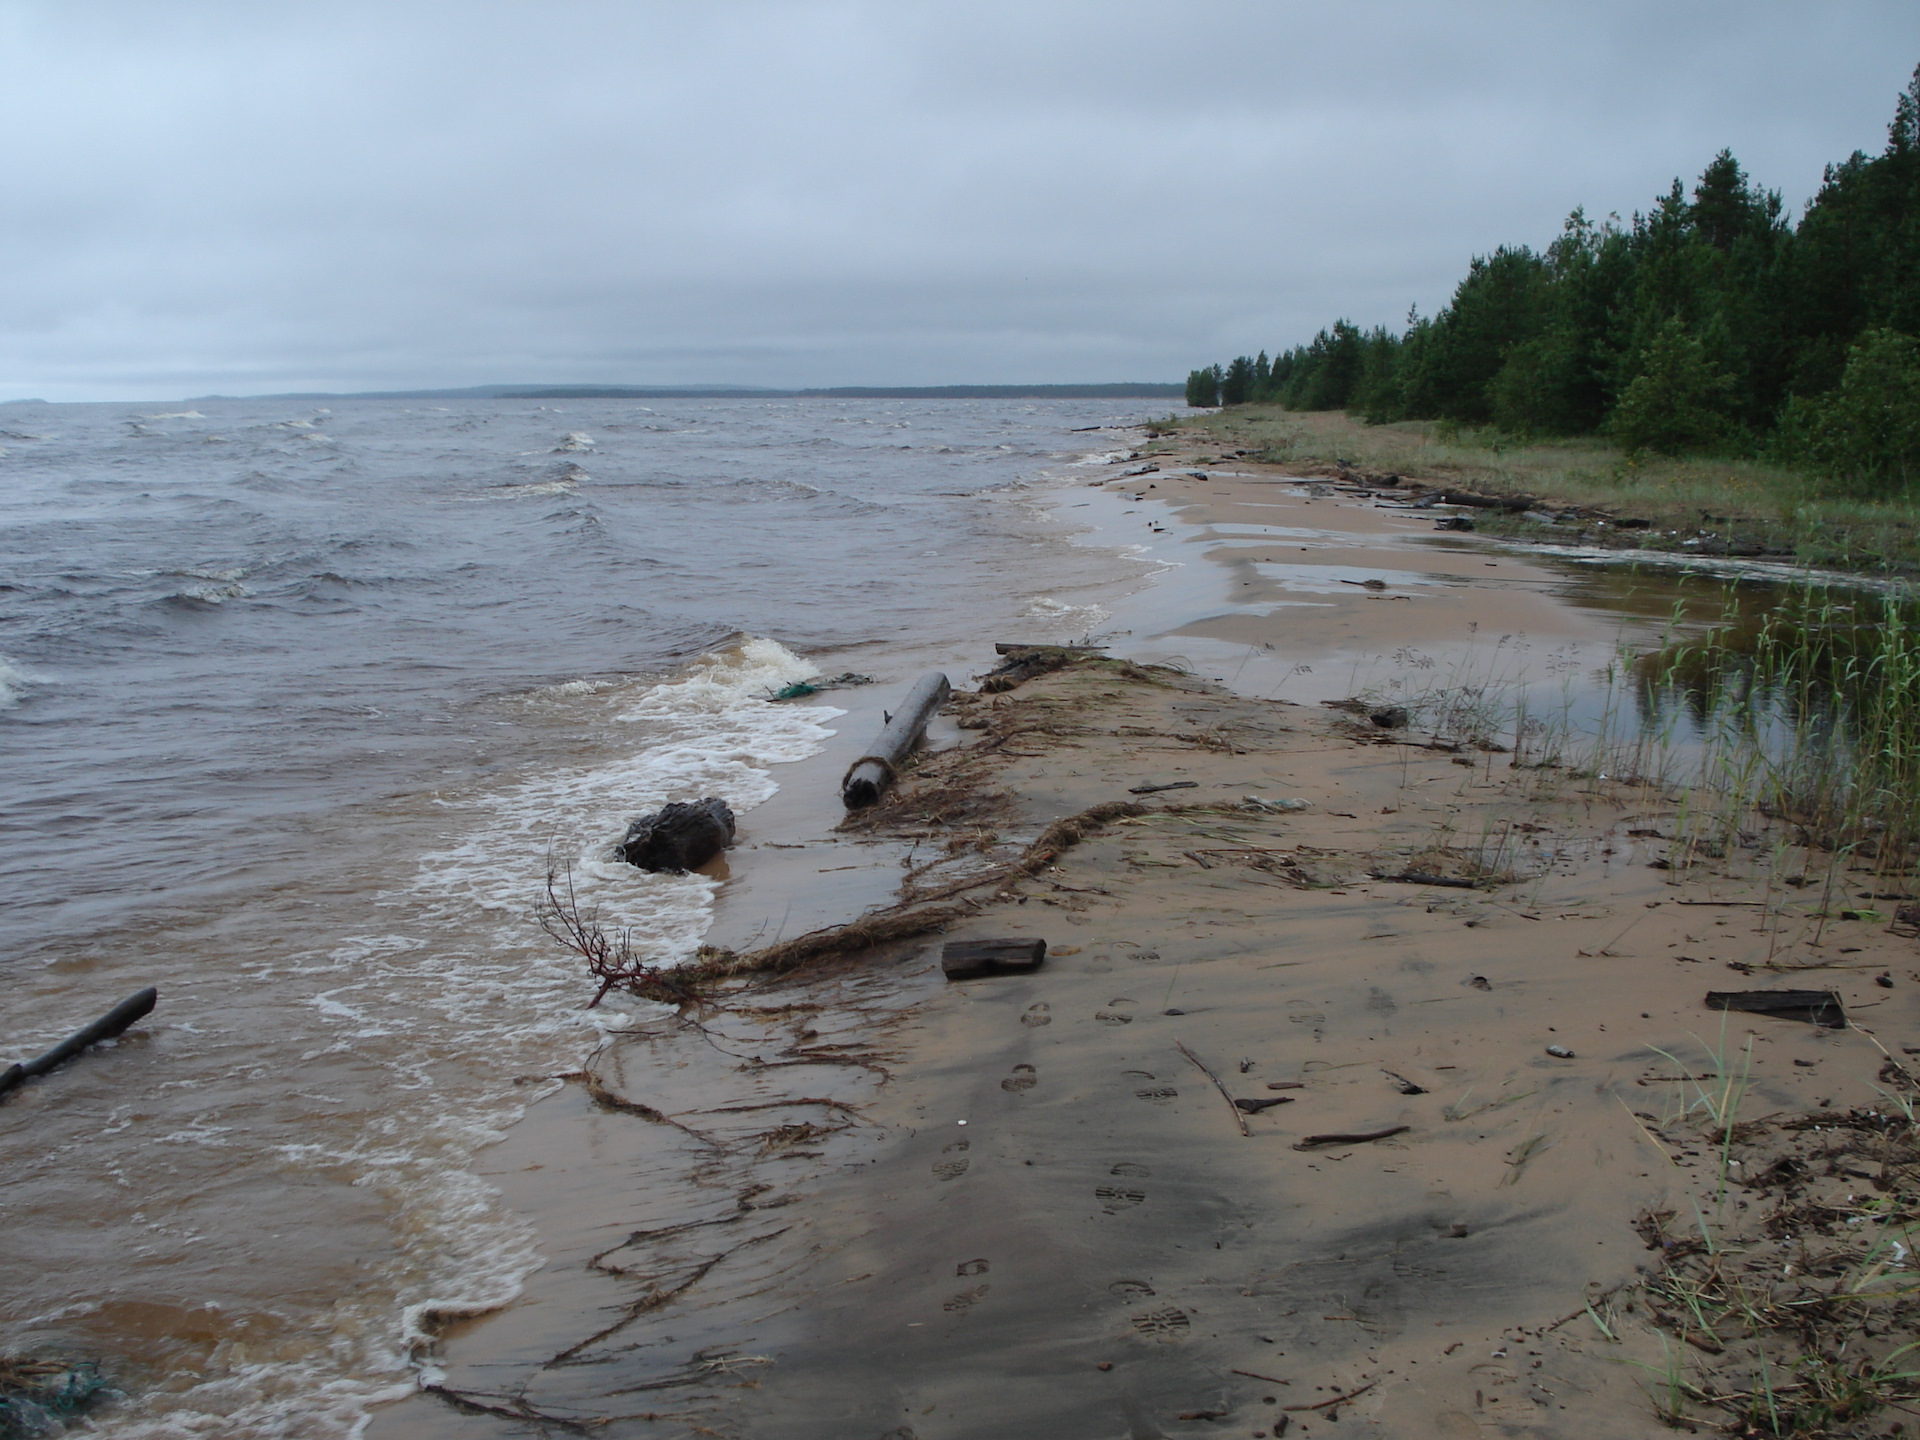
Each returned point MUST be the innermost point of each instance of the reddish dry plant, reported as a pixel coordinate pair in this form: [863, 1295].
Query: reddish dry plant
[612, 962]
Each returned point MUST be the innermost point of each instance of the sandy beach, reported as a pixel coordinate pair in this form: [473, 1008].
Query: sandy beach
[1460, 989]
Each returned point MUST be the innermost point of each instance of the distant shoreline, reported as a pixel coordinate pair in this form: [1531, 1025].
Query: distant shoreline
[1117, 391]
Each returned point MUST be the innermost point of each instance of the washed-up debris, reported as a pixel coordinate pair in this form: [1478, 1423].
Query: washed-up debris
[1404, 1085]
[966, 959]
[1024, 662]
[800, 689]
[36, 1396]
[1286, 805]
[1254, 1107]
[1817, 1007]
[1286, 1084]
[1314, 1142]
[1170, 785]
[1390, 717]
[680, 836]
[133, 1008]
[1560, 1052]
[1453, 522]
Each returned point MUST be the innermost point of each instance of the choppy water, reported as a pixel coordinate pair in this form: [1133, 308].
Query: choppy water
[294, 707]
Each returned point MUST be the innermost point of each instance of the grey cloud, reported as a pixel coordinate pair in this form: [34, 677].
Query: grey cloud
[224, 196]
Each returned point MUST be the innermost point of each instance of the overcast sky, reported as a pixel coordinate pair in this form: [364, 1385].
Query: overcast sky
[247, 198]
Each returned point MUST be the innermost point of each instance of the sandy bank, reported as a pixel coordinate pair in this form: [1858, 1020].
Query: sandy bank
[869, 1203]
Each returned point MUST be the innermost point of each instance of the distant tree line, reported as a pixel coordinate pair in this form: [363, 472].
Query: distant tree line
[1708, 324]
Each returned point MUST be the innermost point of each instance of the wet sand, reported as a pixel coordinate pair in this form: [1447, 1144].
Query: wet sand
[1016, 1206]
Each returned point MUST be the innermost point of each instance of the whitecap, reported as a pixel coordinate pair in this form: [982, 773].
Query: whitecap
[13, 684]
[567, 485]
[575, 440]
[1057, 613]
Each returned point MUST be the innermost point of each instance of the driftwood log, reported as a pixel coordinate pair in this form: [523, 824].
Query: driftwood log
[869, 776]
[106, 1027]
[680, 836]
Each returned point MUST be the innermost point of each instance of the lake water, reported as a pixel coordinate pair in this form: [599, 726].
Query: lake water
[296, 706]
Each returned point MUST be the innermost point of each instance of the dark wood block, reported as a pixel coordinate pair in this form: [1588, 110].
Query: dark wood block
[964, 959]
[1818, 1007]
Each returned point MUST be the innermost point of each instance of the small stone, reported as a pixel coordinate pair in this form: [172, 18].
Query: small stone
[1560, 1050]
[1104, 1365]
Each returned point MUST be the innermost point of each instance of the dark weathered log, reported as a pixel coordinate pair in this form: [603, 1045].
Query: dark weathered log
[964, 959]
[869, 776]
[680, 836]
[1014, 647]
[136, 1005]
[1421, 877]
[1486, 502]
[1819, 1007]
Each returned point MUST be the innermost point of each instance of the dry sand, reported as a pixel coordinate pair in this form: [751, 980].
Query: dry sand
[1016, 1207]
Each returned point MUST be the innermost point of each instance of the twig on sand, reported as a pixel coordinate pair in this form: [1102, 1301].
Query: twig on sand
[1336, 1400]
[1314, 1142]
[607, 1099]
[1239, 1118]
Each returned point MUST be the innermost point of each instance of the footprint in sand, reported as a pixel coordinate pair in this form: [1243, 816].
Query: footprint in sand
[952, 1169]
[1159, 1094]
[1037, 1015]
[971, 1267]
[1131, 1167]
[1130, 1289]
[1024, 1077]
[1113, 1199]
[1112, 1017]
[1169, 1322]
[966, 1299]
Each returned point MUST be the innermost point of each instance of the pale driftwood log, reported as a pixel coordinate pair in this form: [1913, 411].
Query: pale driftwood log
[106, 1027]
[869, 776]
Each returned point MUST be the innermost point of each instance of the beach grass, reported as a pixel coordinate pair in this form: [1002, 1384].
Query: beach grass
[1721, 505]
